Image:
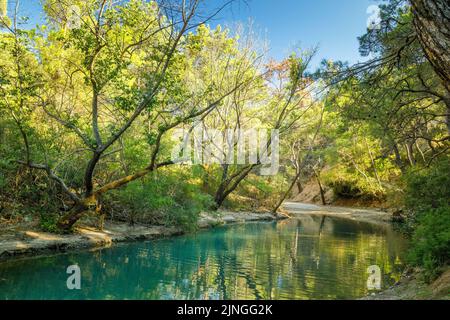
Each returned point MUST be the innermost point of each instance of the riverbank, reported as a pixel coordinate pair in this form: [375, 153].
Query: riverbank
[28, 240]
[359, 214]
[411, 287]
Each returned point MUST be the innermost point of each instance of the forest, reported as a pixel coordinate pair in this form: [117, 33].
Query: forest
[90, 101]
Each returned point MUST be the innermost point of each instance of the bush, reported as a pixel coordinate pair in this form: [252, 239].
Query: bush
[169, 199]
[431, 241]
[257, 193]
[429, 188]
[428, 199]
[346, 184]
[47, 222]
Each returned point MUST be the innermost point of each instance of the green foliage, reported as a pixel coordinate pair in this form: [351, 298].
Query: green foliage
[428, 197]
[353, 170]
[123, 60]
[390, 136]
[382, 121]
[347, 183]
[168, 198]
[258, 193]
[429, 188]
[431, 241]
[48, 223]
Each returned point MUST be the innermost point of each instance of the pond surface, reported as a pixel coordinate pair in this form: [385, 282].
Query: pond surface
[312, 257]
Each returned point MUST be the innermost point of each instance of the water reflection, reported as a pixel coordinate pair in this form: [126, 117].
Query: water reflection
[313, 257]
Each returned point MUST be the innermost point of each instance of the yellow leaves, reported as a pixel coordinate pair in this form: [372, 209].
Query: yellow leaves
[3, 8]
[195, 181]
[90, 201]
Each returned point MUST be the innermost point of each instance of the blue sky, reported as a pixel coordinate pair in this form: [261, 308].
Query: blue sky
[333, 25]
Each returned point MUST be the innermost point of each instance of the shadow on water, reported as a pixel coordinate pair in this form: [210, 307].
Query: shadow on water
[311, 257]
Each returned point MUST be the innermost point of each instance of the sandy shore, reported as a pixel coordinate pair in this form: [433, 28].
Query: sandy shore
[358, 214]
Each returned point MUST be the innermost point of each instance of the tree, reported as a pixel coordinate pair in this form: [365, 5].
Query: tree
[289, 98]
[392, 111]
[302, 144]
[101, 77]
[401, 41]
[432, 25]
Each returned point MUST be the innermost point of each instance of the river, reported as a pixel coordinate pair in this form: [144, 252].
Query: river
[309, 257]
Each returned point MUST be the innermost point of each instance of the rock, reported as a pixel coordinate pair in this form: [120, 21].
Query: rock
[397, 215]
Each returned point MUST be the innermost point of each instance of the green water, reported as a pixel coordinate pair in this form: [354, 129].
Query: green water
[307, 258]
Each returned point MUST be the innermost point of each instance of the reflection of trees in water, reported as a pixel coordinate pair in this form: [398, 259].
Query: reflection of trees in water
[307, 258]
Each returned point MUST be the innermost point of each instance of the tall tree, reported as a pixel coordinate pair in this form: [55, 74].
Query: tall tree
[118, 65]
[432, 24]
[289, 87]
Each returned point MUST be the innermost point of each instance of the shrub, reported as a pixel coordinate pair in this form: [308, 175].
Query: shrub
[47, 222]
[429, 188]
[347, 184]
[431, 241]
[168, 199]
[257, 193]
[428, 198]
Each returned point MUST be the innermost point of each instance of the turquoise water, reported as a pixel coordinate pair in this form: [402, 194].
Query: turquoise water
[312, 257]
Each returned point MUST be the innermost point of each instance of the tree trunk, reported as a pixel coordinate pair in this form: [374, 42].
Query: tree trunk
[398, 158]
[299, 186]
[432, 24]
[230, 184]
[219, 198]
[374, 167]
[66, 223]
[322, 192]
[285, 195]
[447, 117]
[89, 174]
[218, 201]
[410, 153]
[420, 152]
